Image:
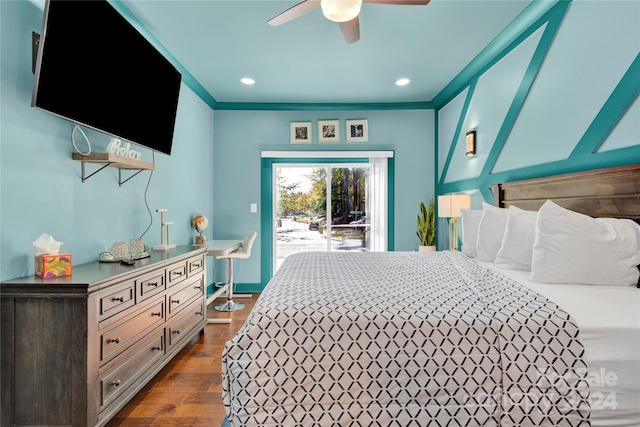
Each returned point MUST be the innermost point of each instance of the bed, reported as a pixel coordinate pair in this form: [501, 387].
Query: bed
[416, 339]
[608, 316]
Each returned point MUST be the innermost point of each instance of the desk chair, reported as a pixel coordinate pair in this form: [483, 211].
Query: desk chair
[243, 253]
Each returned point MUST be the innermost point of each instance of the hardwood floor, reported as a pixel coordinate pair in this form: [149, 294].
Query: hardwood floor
[188, 391]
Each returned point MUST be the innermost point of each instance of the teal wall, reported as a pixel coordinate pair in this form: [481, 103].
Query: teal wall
[562, 97]
[40, 186]
[240, 136]
[556, 92]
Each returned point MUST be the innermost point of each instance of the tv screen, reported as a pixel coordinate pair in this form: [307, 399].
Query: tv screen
[95, 69]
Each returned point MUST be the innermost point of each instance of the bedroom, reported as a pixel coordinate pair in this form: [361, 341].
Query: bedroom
[42, 191]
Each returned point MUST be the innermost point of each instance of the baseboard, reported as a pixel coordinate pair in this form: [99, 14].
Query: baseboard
[248, 288]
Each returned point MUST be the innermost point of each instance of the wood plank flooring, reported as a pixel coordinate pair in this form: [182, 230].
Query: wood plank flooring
[188, 391]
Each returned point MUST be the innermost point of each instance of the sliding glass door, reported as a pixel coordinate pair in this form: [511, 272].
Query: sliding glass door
[323, 207]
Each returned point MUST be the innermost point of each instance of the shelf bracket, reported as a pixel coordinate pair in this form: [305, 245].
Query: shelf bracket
[120, 181]
[86, 177]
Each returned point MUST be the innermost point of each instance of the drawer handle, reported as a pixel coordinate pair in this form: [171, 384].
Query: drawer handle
[198, 287]
[199, 313]
[177, 331]
[157, 348]
[115, 383]
[197, 265]
[159, 314]
[153, 284]
[114, 340]
[178, 273]
[175, 301]
[121, 299]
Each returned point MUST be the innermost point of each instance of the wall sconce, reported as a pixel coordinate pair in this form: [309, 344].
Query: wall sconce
[449, 207]
[471, 143]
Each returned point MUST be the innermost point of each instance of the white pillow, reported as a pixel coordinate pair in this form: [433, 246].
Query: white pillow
[470, 223]
[490, 231]
[574, 248]
[516, 250]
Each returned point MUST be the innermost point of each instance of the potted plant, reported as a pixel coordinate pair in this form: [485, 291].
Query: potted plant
[427, 227]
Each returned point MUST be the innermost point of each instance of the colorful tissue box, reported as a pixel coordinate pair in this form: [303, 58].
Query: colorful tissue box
[51, 266]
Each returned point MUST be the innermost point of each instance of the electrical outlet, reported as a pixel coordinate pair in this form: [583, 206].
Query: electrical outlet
[254, 207]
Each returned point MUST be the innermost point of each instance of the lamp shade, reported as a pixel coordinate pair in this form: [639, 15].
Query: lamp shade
[340, 10]
[449, 205]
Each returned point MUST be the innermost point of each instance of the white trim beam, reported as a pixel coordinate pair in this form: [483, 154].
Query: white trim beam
[325, 154]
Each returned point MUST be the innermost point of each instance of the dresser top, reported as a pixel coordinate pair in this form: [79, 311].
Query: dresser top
[96, 275]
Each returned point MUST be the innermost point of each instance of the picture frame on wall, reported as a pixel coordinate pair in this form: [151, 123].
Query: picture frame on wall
[328, 131]
[300, 133]
[357, 130]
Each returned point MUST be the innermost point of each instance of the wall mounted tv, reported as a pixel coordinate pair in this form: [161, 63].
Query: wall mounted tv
[95, 69]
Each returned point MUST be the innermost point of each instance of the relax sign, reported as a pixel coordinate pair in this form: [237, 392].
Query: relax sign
[116, 147]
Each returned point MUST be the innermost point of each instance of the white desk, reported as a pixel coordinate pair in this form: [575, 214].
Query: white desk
[217, 248]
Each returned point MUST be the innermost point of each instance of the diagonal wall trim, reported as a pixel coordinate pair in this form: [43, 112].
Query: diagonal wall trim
[585, 155]
[552, 18]
[456, 135]
[519, 29]
[621, 98]
[525, 86]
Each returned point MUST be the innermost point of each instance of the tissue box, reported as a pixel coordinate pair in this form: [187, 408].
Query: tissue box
[50, 266]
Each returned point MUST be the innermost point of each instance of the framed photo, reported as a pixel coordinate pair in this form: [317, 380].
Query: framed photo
[300, 133]
[357, 130]
[328, 130]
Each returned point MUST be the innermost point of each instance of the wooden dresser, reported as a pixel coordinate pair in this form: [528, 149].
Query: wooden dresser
[74, 350]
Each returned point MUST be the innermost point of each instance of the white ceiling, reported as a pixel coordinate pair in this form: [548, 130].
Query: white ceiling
[307, 61]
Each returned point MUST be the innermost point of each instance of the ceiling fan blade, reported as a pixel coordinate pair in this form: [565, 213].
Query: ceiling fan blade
[351, 30]
[399, 2]
[294, 12]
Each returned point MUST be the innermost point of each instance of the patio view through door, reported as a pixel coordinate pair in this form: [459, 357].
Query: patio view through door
[321, 207]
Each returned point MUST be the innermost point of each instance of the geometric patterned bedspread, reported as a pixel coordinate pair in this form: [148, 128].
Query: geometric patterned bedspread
[403, 339]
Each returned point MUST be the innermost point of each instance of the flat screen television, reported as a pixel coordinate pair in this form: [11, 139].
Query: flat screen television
[95, 69]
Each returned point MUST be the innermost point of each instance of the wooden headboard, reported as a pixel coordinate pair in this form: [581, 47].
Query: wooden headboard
[611, 192]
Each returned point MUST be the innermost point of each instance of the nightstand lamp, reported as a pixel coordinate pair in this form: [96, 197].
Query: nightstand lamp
[449, 206]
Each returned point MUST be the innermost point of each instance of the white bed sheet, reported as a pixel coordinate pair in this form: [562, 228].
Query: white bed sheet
[609, 321]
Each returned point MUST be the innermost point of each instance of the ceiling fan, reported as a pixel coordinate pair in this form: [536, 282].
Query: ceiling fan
[344, 12]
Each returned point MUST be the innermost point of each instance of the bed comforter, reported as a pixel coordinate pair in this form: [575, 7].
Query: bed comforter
[403, 339]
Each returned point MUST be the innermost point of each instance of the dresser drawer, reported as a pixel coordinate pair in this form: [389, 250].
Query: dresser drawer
[179, 328]
[179, 299]
[119, 338]
[176, 274]
[117, 300]
[150, 284]
[138, 360]
[195, 266]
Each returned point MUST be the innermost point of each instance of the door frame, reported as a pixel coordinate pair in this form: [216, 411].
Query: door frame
[269, 158]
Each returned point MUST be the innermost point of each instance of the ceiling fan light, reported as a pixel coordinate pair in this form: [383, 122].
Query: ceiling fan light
[340, 10]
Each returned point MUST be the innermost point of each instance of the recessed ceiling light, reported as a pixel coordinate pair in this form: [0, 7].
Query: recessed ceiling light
[402, 82]
[247, 81]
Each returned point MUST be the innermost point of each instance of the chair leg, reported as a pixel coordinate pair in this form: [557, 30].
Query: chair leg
[230, 305]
